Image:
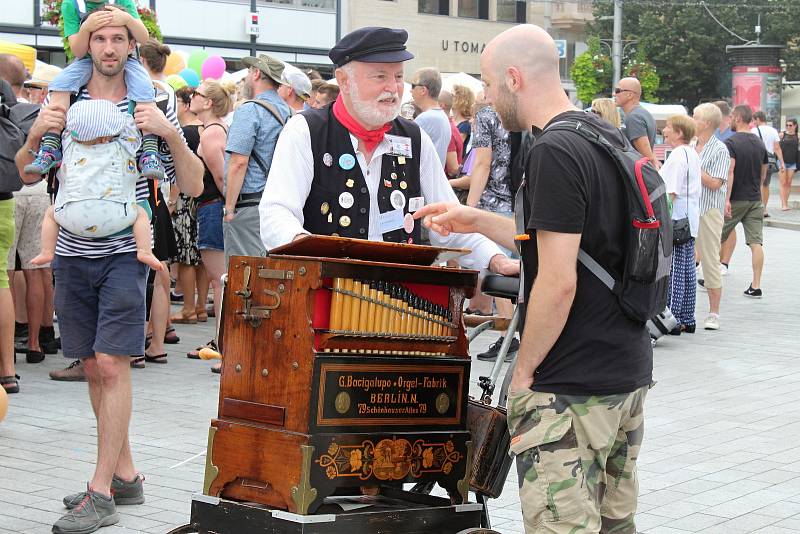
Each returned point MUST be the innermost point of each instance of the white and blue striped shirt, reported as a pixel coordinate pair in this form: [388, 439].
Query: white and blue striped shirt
[714, 161]
[69, 244]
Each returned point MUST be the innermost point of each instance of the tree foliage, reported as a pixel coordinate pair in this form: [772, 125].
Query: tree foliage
[687, 47]
[640, 68]
[592, 72]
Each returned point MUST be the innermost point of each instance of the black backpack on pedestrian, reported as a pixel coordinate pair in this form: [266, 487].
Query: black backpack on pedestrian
[642, 291]
[15, 123]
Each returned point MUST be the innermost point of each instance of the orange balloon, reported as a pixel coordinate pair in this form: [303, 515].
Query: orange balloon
[3, 403]
[175, 64]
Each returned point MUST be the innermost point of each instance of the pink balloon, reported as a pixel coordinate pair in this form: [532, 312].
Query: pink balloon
[213, 67]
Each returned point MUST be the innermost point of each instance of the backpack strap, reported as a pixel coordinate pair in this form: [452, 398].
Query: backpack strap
[274, 112]
[596, 269]
[269, 107]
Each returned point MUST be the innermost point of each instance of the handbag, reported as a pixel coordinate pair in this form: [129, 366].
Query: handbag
[490, 442]
[772, 159]
[681, 229]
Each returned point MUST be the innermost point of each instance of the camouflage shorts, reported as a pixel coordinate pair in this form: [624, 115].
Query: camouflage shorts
[576, 460]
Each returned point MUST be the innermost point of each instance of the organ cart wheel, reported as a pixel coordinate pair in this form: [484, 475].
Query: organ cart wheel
[185, 529]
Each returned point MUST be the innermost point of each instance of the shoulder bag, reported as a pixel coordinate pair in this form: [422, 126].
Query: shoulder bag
[681, 230]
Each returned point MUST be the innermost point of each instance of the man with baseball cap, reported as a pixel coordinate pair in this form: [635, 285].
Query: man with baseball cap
[250, 147]
[355, 169]
[296, 90]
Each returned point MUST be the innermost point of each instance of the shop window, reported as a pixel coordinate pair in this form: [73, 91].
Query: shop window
[474, 9]
[511, 11]
[434, 7]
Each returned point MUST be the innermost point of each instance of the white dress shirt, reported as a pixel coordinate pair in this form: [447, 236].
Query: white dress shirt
[292, 172]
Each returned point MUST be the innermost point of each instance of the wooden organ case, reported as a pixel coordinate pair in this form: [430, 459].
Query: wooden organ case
[346, 369]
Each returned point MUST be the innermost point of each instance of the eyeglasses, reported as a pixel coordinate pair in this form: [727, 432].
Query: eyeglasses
[198, 93]
[415, 85]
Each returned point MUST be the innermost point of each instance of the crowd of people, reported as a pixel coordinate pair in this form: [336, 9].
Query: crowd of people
[251, 167]
[717, 174]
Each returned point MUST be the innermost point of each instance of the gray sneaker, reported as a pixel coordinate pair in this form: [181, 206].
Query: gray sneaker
[123, 492]
[91, 513]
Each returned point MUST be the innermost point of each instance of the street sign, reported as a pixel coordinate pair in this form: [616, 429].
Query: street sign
[561, 44]
[251, 26]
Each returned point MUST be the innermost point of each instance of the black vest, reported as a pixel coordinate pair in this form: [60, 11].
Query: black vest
[324, 212]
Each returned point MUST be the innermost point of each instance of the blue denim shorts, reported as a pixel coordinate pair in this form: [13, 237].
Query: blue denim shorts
[100, 304]
[209, 226]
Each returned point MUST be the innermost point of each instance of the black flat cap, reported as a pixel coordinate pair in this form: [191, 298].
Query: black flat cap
[371, 45]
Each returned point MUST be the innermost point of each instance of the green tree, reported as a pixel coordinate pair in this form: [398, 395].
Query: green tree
[591, 72]
[687, 47]
[640, 68]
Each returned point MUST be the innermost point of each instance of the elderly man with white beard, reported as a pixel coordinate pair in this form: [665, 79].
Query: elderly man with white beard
[355, 169]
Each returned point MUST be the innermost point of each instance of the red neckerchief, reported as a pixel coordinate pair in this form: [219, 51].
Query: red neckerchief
[371, 138]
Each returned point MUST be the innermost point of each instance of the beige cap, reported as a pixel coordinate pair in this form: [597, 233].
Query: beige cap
[268, 65]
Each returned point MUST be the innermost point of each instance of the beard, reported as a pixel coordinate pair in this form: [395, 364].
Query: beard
[372, 112]
[507, 107]
[247, 89]
[107, 70]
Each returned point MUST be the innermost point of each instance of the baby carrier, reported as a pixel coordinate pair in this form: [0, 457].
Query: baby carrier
[97, 182]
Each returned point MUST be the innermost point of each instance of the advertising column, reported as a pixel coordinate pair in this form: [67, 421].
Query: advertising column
[757, 79]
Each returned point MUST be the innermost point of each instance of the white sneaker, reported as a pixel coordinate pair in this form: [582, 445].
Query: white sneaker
[711, 322]
[723, 270]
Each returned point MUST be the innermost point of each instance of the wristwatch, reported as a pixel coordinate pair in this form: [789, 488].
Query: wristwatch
[224, 211]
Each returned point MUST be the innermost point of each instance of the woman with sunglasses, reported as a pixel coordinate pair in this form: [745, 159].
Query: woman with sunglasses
[789, 147]
[211, 102]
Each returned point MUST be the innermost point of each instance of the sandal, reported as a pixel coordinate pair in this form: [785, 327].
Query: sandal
[158, 358]
[202, 315]
[147, 341]
[170, 337]
[195, 354]
[10, 383]
[137, 362]
[182, 317]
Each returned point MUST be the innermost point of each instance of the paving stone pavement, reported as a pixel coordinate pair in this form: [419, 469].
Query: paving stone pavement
[721, 451]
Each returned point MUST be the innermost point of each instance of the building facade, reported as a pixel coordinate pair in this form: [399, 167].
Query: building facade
[451, 34]
[448, 34]
[298, 31]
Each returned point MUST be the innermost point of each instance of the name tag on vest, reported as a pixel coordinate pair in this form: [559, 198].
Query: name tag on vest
[399, 146]
[391, 221]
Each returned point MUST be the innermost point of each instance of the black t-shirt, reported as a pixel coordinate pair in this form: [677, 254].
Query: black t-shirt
[749, 152]
[789, 147]
[573, 187]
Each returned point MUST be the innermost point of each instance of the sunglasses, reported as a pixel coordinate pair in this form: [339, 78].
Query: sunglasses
[198, 93]
[618, 90]
[791, 124]
[595, 111]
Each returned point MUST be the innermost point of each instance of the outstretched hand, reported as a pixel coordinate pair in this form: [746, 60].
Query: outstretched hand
[449, 217]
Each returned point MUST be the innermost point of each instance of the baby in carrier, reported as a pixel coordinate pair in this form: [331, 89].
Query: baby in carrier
[97, 181]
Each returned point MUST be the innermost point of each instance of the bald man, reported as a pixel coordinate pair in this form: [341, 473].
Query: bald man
[575, 403]
[639, 126]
